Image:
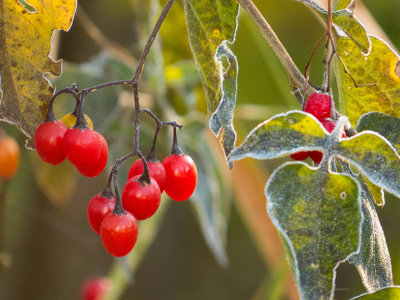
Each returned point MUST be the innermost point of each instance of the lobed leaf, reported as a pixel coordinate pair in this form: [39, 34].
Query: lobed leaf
[373, 259]
[281, 135]
[389, 293]
[25, 42]
[380, 69]
[375, 158]
[319, 215]
[211, 25]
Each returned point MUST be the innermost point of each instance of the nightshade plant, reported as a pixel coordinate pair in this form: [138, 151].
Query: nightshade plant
[324, 213]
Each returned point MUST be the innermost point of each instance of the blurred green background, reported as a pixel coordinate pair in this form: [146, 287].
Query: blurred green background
[204, 248]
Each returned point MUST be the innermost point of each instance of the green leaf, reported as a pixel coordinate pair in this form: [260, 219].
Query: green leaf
[319, 215]
[390, 293]
[385, 125]
[340, 4]
[380, 67]
[25, 65]
[221, 122]
[350, 25]
[345, 21]
[375, 158]
[281, 135]
[373, 260]
[211, 25]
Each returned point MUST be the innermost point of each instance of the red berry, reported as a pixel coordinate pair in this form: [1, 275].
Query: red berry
[181, 176]
[95, 288]
[49, 141]
[316, 156]
[156, 171]
[119, 233]
[101, 162]
[141, 200]
[87, 150]
[329, 125]
[302, 155]
[319, 105]
[99, 207]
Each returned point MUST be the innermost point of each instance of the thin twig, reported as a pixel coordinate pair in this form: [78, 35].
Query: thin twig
[139, 71]
[297, 79]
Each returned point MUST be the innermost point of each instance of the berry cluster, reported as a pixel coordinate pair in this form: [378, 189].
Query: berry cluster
[85, 148]
[319, 105]
[115, 221]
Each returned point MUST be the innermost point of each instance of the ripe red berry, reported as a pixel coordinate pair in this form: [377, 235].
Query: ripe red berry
[316, 156]
[181, 176]
[101, 162]
[319, 105]
[99, 207]
[95, 288]
[86, 149]
[141, 200]
[49, 141]
[156, 171]
[302, 155]
[119, 233]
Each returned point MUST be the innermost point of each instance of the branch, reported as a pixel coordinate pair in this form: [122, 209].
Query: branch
[297, 80]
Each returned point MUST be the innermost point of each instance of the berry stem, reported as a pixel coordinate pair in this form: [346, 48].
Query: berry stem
[145, 177]
[152, 154]
[107, 192]
[118, 209]
[73, 90]
[80, 118]
[175, 147]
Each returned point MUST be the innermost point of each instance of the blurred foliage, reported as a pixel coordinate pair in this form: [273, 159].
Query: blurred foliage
[52, 248]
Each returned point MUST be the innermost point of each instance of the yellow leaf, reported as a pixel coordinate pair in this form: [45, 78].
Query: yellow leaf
[25, 43]
[380, 67]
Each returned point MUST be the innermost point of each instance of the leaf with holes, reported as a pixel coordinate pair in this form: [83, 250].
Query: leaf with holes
[212, 25]
[380, 71]
[373, 260]
[281, 135]
[319, 215]
[25, 42]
